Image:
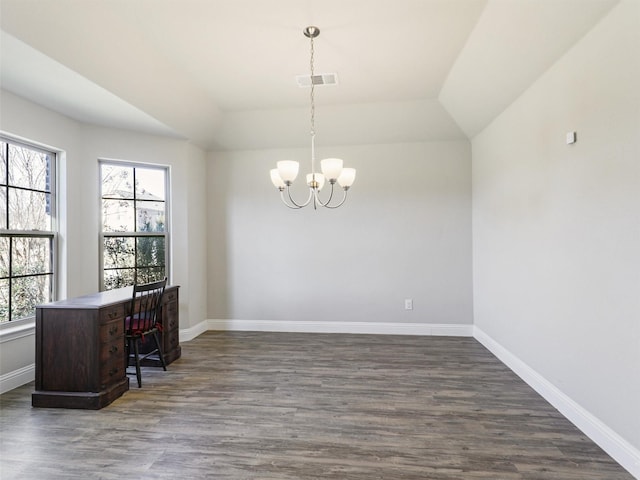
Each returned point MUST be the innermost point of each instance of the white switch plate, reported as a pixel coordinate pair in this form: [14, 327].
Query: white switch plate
[408, 303]
[571, 138]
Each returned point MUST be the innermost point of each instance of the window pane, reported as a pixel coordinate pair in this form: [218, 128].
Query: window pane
[4, 300]
[26, 293]
[150, 216]
[151, 274]
[150, 184]
[118, 278]
[150, 251]
[28, 210]
[29, 168]
[117, 181]
[3, 207]
[4, 256]
[118, 252]
[31, 256]
[117, 216]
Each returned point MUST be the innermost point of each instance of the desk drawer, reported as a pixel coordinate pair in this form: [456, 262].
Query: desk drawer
[112, 331]
[172, 340]
[112, 350]
[114, 312]
[112, 371]
[170, 296]
[172, 323]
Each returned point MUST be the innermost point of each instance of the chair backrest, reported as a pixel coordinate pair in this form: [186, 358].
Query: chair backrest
[145, 304]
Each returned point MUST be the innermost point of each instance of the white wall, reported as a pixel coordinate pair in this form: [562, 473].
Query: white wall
[83, 145]
[556, 227]
[403, 233]
[191, 264]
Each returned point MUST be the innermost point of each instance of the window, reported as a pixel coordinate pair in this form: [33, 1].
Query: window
[27, 222]
[134, 239]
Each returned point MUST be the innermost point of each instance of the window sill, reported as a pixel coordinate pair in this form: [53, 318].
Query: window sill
[22, 328]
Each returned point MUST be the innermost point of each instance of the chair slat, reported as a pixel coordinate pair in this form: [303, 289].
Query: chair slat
[142, 321]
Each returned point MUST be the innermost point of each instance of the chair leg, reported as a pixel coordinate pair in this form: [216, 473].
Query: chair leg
[127, 352]
[138, 373]
[155, 338]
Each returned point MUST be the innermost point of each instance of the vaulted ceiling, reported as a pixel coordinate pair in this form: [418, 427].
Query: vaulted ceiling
[221, 73]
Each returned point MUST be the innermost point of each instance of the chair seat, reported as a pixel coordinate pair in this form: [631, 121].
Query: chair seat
[140, 325]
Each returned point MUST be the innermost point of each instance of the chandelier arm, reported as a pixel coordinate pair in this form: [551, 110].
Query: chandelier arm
[294, 206]
[293, 202]
[326, 204]
[308, 198]
[344, 198]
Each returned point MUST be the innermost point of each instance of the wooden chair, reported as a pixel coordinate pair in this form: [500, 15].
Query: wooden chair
[141, 323]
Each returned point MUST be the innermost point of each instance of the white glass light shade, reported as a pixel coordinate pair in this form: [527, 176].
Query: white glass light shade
[347, 177]
[276, 179]
[319, 179]
[288, 170]
[331, 168]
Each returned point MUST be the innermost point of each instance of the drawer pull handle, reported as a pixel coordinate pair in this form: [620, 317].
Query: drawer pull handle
[113, 349]
[113, 330]
[113, 371]
[113, 315]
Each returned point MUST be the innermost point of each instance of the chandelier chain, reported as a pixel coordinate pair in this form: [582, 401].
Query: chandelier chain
[313, 106]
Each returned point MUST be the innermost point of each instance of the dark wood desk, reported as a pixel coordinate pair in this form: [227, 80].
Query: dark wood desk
[80, 360]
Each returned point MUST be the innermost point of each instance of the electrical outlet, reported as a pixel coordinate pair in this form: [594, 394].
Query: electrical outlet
[408, 303]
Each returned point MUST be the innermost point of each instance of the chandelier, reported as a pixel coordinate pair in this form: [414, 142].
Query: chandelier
[332, 170]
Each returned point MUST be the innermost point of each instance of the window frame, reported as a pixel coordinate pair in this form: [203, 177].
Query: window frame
[135, 235]
[52, 234]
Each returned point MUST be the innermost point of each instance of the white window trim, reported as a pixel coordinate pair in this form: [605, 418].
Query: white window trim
[167, 201]
[16, 329]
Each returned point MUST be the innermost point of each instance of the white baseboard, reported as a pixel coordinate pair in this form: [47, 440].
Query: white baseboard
[615, 446]
[440, 329]
[187, 334]
[17, 378]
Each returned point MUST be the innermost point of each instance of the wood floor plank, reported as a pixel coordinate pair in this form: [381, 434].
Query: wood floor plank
[249, 405]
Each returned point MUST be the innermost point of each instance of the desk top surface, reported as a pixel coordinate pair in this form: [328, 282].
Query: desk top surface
[97, 300]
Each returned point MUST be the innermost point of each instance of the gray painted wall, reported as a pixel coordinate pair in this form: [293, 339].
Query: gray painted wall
[404, 232]
[556, 227]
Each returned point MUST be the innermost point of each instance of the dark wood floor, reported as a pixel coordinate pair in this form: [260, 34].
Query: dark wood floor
[308, 406]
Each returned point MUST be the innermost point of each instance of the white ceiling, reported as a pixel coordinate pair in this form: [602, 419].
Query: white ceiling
[221, 73]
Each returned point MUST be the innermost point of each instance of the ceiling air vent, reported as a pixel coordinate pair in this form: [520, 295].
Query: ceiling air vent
[320, 79]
